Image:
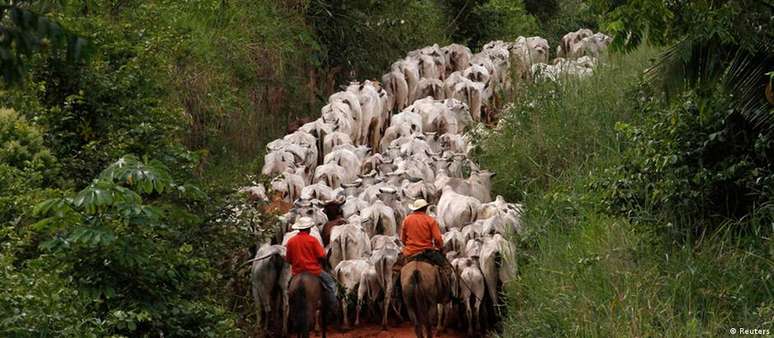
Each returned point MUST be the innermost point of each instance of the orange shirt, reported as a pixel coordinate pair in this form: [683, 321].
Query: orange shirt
[419, 233]
[303, 254]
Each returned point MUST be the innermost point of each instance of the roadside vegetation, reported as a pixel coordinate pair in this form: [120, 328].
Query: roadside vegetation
[647, 187]
[126, 127]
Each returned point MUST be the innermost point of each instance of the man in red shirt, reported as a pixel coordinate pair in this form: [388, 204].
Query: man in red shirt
[422, 240]
[306, 254]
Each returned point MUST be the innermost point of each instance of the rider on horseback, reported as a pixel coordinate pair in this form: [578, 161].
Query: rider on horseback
[306, 254]
[422, 240]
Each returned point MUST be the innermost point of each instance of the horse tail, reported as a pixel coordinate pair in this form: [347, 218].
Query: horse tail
[298, 308]
[419, 308]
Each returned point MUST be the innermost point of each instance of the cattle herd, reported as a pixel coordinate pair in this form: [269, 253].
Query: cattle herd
[378, 146]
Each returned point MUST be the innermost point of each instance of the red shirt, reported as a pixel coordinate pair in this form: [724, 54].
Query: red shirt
[419, 233]
[303, 254]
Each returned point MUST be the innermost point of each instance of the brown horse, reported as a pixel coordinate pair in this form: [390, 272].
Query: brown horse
[305, 297]
[419, 281]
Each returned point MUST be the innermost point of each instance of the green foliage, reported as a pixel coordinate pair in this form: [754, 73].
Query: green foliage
[98, 111]
[25, 33]
[363, 38]
[744, 23]
[476, 22]
[504, 20]
[21, 144]
[120, 238]
[37, 301]
[569, 16]
[584, 271]
[547, 129]
[697, 160]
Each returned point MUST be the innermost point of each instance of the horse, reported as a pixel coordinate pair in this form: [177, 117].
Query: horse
[420, 281]
[305, 296]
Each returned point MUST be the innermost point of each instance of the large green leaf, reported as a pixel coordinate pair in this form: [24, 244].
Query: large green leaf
[142, 177]
[101, 194]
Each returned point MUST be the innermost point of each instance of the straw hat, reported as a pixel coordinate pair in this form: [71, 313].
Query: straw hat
[303, 223]
[418, 204]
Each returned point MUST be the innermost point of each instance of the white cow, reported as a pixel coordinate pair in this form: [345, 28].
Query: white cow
[348, 273]
[431, 87]
[278, 161]
[456, 210]
[497, 262]
[334, 139]
[454, 240]
[457, 57]
[379, 242]
[289, 185]
[473, 230]
[569, 40]
[352, 206]
[472, 94]
[265, 272]
[348, 241]
[318, 191]
[379, 219]
[472, 288]
[397, 88]
[383, 260]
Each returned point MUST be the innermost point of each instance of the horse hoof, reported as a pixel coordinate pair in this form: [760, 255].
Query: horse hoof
[384, 328]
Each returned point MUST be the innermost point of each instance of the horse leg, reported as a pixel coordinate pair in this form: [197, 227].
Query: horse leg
[285, 313]
[429, 320]
[316, 317]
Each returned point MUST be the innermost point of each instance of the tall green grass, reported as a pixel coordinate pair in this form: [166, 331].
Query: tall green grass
[584, 272]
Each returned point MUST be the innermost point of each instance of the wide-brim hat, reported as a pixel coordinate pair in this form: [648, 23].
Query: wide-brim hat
[303, 223]
[418, 204]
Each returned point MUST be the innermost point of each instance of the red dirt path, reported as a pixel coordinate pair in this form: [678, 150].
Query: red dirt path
[405, 330]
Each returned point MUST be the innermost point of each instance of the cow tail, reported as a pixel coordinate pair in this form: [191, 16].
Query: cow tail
[343, 243]
[379, 225]
[320, 146]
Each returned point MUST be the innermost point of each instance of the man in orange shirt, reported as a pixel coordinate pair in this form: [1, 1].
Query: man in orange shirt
[422, 240]
[306, 254]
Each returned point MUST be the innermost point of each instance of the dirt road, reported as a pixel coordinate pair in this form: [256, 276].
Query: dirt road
[405, 330]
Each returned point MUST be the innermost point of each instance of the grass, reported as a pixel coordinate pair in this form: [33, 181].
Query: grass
[585, 272]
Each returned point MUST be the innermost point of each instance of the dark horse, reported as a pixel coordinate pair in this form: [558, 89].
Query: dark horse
[419, 281]
[305, 296]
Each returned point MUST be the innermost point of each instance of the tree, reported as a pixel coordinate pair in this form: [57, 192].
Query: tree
[23, 32]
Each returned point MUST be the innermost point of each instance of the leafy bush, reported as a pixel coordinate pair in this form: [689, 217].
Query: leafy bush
[21, 144]
[504, 20]
[361, 39]
[696, 164]
[477, 22]
[120, 239]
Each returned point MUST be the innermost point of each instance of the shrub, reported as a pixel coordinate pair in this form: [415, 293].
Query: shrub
[21, 144]
[124, 242]
[696, 164]
[477, 22]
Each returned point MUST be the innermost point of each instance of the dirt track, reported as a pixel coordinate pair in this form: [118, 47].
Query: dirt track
[405, 330]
